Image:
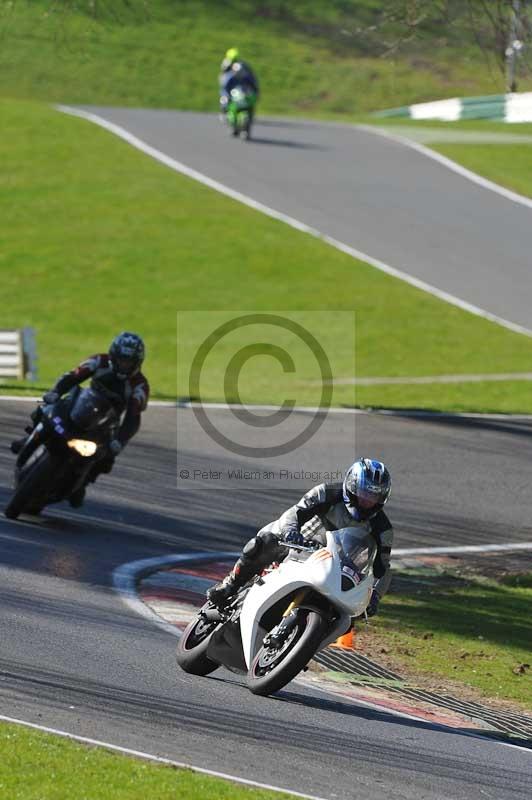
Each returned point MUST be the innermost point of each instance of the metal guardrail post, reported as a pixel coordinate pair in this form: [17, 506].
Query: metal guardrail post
[29, 347]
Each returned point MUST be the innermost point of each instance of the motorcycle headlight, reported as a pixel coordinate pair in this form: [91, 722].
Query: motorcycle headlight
[83, 447]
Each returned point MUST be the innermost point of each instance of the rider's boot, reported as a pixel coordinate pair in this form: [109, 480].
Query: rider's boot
[222, 592]
[17, 445]
[77, 498]
[256, 555]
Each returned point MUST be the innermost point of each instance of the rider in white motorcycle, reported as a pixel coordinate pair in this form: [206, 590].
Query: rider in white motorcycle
[357, 502]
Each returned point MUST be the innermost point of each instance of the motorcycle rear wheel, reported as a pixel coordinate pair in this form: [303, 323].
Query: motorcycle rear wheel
[25, 491]
[273, 668]
[191, 654]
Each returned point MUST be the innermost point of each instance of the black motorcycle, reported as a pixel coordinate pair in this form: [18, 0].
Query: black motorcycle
[69, 437]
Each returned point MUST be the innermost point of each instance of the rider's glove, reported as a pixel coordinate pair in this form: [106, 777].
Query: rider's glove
[51, 397]
[294, 537]
[114, 447]
[373, 605]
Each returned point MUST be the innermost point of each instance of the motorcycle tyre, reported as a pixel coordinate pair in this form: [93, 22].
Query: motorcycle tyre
[296, 659]
[22, 495]
[194, 660]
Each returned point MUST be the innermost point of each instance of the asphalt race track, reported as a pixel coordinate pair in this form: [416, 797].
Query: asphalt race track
[73, 656]
[374, 194]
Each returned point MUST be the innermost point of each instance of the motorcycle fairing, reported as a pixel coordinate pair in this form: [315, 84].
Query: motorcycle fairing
[52, 429]
[321, 572]
[225, 647]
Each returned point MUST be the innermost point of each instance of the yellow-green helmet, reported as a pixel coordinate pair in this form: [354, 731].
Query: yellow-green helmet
[231, 56]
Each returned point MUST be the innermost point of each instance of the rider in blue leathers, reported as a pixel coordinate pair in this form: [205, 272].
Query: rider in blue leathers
[235, 72]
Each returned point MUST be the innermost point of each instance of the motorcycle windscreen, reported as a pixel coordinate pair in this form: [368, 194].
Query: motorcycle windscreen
[92, 411]
[357, 550]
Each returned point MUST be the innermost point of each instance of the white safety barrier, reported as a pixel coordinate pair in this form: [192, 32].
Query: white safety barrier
[504, 107]
[18, 354]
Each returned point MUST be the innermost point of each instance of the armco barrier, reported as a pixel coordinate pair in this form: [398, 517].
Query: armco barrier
[18, 354]
[502, 107]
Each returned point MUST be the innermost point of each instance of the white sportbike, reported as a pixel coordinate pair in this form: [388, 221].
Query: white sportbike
[278, 621]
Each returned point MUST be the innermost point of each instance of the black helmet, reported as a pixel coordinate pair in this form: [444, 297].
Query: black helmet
[126, 354]
[366, 488]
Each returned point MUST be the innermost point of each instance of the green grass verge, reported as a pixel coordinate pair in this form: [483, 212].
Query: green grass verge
[508, 165]
[504, 397]
[36, 765]
[312, 57]
[473, 631]
[98, 237]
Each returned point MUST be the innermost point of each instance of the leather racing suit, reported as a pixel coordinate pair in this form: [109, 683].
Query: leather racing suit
[130, 398]
[320, 509]
[132, 393]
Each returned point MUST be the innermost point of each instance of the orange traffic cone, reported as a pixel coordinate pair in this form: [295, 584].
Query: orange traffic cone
[345, 642]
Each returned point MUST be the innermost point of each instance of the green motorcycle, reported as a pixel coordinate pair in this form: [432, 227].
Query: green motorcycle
[240, 110]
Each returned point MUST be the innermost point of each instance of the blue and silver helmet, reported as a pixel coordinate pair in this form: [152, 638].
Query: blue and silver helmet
[366, 488]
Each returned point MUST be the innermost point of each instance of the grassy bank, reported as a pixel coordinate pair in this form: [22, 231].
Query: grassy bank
[313, 57]
[98, 238]
[449, 630]
[36, 765]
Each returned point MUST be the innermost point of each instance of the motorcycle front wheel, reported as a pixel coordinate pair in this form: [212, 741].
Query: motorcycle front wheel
[32, 484]
[274, 667]
[191, 654]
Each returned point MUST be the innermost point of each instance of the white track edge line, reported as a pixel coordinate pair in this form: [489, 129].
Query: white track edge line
[178, 166]
[158, 759]
[474, 177]
[460, 549]
[25, 398]
[390, 412]
[22, 398]
[124, 579]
